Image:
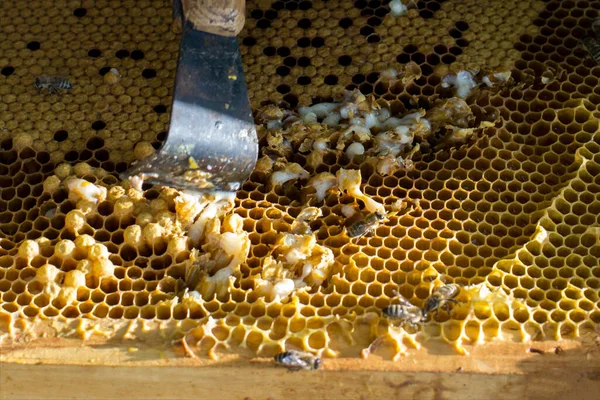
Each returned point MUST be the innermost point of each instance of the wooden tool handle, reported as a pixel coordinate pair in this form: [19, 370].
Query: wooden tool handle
[221, 17]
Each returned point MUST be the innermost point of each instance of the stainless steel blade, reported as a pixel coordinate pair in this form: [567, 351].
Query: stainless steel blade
[212, 142]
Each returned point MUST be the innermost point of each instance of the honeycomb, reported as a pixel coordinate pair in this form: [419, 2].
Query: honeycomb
[512, 217]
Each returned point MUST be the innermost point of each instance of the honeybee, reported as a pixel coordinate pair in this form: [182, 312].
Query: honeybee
[441, 297]
[297, 360]
[405, 312]
[593, 47]
[53, 83]
[365, 225]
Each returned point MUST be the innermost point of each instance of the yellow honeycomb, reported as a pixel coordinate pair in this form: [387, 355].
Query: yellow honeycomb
[513, 217]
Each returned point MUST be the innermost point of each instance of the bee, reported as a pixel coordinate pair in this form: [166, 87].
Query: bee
[441, 297]
[53, 83]
[593, 47]
[297, 360]
[405, 312]
[365, 225]
[596, 28]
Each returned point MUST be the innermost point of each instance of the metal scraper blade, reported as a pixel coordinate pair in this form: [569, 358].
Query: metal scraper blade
[212, 142]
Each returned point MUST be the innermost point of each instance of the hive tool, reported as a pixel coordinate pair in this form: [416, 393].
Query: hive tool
[211, 143]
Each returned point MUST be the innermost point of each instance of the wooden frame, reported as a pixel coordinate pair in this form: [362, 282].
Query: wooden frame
[67, 368]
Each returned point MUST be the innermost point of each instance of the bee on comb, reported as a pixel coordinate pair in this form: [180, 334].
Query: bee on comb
[53, 83]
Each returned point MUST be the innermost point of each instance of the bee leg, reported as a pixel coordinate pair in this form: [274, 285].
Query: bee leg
[294, 369]
[356, 239]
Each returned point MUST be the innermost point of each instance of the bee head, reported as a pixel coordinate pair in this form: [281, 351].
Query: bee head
[37, 82]
[380, 216]
[317, 363]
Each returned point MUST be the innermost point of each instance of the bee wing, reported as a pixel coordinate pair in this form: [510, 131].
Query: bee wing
[403, 301]
[401, 298]
[447, 289]
[455, 289]
[308, 360]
